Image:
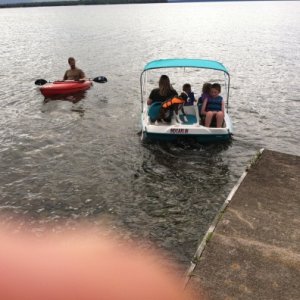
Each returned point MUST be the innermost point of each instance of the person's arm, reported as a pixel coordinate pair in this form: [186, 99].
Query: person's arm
[203, 108]
[223, 106]
[65, 76]
[151, 97]
[82, 76]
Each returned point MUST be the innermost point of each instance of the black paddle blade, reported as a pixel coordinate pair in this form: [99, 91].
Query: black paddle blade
[100, 79]
[40, 82]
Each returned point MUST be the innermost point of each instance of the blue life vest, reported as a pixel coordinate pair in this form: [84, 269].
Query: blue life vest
[190, 100]
[214, 104]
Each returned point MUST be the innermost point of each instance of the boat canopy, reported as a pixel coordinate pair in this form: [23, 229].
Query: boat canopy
[185, 63]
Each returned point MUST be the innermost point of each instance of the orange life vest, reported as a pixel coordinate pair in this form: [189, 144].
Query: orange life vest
[170, 102]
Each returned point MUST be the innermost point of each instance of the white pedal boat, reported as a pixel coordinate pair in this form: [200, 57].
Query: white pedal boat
[193, 127]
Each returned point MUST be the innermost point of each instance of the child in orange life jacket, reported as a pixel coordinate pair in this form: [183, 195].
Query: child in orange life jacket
[213, 106]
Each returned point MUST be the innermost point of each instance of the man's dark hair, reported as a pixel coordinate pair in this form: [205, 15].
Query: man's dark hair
[70, 58]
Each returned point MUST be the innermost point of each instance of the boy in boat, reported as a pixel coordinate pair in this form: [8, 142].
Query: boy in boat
[191, 97]
[74, 73]
[213, 106]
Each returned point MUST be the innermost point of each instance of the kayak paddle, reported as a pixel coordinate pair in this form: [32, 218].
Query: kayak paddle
[98, 79]
[40, 82]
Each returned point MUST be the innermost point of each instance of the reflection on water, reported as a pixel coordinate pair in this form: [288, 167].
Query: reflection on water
[72, 98]
[82, 159]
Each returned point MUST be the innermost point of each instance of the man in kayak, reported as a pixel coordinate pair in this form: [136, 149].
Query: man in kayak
[74, 73]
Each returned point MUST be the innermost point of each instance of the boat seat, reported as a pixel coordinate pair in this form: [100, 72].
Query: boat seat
[191, 119]
[153, 111]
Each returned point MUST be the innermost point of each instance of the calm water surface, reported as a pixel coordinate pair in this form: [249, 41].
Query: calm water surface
[63, 162]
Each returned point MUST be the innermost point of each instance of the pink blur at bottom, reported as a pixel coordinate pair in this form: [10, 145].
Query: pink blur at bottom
[82, 267]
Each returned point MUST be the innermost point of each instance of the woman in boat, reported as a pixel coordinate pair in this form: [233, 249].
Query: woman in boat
[163, 92]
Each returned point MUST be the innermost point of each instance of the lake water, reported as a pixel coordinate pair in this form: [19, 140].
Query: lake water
[62, 163]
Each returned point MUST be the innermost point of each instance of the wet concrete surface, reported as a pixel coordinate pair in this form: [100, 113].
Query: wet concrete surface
[254, 252]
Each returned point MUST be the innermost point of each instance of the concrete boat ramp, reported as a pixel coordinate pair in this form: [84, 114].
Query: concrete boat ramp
[252, 249]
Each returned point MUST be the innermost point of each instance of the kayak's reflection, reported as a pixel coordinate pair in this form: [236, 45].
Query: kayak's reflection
[74, 98]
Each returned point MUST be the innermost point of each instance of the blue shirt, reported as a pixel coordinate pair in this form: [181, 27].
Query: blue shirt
[190, 100]
[214, 104]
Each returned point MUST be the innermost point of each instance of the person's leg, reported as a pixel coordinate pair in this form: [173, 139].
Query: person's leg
[208, 117]
[197, 113]
[220, 119]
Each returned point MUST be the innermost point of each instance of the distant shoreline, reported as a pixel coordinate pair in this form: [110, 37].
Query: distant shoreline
[84, 2]
[105, 2]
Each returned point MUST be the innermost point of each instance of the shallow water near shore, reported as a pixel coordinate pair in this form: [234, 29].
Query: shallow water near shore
[62, 162]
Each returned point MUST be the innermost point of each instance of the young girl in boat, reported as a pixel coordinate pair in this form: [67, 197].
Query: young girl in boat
[213, 106]
[205, 92]
[204, 95]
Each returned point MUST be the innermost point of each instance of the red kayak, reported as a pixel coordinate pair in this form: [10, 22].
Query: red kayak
[64, 87]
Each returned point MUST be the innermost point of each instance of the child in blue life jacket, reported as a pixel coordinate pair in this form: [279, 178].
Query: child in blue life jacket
[213, 106]
[187, 89]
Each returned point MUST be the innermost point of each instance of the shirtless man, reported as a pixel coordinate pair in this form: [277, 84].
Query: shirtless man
[74, 73]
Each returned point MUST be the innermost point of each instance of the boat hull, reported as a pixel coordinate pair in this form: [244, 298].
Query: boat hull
[187, 130]
[57, 88]
[202, 138]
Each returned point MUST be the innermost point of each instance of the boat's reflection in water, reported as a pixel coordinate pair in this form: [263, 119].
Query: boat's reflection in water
[73, 98]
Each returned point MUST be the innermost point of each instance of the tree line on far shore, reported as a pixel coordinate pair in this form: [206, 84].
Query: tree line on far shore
[80, 2]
